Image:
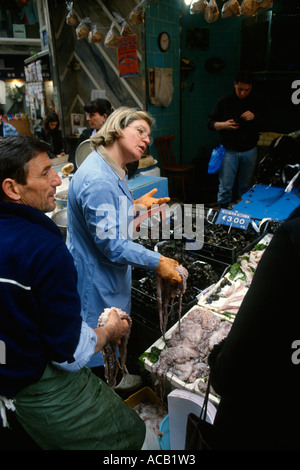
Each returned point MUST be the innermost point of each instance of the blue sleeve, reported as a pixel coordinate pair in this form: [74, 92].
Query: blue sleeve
[84, 351]
[54, 283]
[9, 130]
[108, 213]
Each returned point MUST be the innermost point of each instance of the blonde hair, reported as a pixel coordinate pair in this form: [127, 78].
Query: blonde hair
[116, 122]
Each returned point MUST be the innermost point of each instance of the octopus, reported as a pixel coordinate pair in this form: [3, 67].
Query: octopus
[166, 294]
[152, 414]
[113, 363]
[186, 353]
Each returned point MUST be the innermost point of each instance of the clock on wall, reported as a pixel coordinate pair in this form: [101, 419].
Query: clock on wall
[164, 41]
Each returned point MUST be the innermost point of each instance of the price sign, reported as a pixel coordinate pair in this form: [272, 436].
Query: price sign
[233, 219]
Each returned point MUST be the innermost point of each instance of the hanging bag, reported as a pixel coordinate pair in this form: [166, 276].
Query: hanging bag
[200, 434]
[211, 13]
[216, 159]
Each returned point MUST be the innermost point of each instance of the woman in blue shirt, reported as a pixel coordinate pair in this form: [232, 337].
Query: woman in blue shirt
[100, 216]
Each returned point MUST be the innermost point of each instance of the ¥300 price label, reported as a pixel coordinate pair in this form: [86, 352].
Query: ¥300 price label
[233, 219]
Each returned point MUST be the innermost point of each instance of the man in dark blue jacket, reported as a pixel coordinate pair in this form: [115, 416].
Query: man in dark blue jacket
[58, 401]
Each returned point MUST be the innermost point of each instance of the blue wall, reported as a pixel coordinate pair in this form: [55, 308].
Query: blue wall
[164, 15]
[202, 88]
[195, 93]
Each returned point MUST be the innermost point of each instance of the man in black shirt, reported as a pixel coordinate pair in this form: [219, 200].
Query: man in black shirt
[237, 117]
[97, 113]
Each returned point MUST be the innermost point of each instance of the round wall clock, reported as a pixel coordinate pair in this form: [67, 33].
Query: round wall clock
[164, 41]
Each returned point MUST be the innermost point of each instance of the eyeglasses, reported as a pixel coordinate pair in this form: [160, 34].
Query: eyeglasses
[143, 134]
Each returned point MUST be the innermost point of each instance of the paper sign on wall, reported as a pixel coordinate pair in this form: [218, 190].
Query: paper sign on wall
[127, 56]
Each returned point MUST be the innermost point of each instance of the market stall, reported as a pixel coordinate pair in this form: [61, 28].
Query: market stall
[175, 363]
[173, 350]
[219, 276]
[178, 362]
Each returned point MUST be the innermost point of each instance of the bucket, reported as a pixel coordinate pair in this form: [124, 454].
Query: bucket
[150, 170]
[61, 219]
[180, 404]
[164, 440]
[61, 198]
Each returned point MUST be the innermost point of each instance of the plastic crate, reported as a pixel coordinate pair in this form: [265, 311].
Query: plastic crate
[219, 251]
[144, 304]
[144, 309]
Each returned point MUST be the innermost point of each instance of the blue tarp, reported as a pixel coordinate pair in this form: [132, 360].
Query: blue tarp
[268, 201]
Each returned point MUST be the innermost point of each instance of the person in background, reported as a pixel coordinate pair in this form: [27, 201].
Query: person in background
[97, 111]
[237, 117]
[256, 369]
[100, 219]
[50, 132]
[6, 130]
[59, 402]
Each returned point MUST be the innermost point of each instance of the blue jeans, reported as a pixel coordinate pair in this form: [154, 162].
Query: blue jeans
[236, 164]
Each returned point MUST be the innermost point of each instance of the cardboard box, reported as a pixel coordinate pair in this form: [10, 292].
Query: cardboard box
[143, 395]
[141, 184]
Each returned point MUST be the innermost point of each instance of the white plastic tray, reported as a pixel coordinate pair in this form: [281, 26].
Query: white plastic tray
[174, 381]
[204, 295]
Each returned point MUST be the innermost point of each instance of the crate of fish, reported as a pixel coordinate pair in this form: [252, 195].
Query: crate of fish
[179, 358]
[145, 304]
[202, 272]
[226, 243]
[227, 295]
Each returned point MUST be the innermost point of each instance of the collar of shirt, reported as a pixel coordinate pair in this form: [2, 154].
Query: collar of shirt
[109, 160]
